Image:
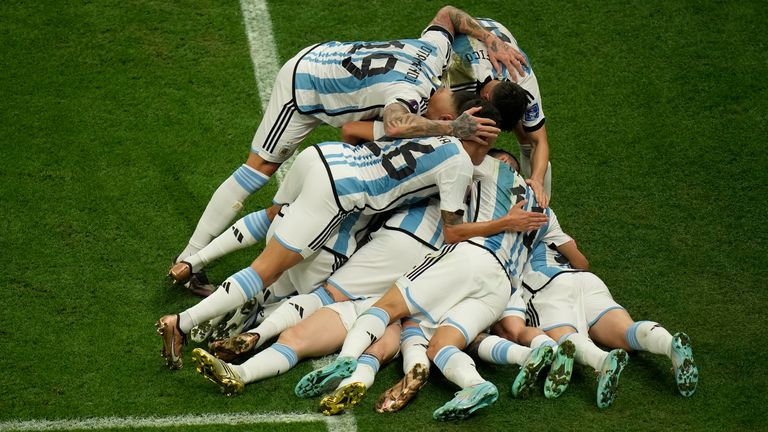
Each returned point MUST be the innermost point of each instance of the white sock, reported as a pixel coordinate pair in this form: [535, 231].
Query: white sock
[650, 336]
[498, 350]
[273, 361]
[457, 366]
[247, 231]
[232, 293]
[368, 328]
[543, 339]
[587, 353]
[290, 313]
[413, 347]
[223, 207]
[367, 367]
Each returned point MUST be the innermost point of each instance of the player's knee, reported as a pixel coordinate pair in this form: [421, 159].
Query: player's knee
[294, 337]
[259, 164]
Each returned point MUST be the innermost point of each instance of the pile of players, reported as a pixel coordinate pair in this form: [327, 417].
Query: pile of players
[414, 236]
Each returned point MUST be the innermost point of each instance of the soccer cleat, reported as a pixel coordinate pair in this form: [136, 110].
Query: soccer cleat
[397, 396]
[180, 272]
[560, 373]
[234, 347]
[324, 380]
[608, 382]
[233, 322]
[199, 285]
[686, 372]
[342, 398]
[173, 340]
[466, 401]
[526, 378]
[217, 372]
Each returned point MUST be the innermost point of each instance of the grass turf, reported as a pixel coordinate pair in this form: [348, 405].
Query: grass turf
[119, 119]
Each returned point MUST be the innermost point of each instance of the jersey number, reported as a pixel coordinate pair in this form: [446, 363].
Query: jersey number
[407, 151]
[365, 70]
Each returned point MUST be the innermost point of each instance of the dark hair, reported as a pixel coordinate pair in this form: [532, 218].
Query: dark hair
[460, 98]
[487, 109]
[511, 100]
[493, 152]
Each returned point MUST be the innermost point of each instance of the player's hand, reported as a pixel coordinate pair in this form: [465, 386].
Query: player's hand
[500, 53]
[231, 348]
[521, 221]
[467, 126]
[538, 190]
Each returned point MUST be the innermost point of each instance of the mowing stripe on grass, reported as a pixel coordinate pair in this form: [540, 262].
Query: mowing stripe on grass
[342, 423]
[258, 27]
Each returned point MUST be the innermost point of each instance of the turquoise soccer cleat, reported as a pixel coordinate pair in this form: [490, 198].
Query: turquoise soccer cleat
[467, 401]
[537, 360]
[325, 380]
[560, 373]
[686, 372]
[608, 383]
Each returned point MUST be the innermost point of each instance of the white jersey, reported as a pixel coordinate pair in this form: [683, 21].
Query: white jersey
[545, 262]
[499, 188]
[421, 221]
[339, 82]
[376, 177]
[470, 68]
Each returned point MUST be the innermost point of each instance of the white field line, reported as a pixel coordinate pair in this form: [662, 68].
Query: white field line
[258, 27]
[343, 423]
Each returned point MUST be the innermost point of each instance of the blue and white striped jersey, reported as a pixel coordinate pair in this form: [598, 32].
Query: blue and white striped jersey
[470, 67]
[379, 176]
[499, 188]
[351, 232]
[545, 262]
[339, 82]
[421, 221]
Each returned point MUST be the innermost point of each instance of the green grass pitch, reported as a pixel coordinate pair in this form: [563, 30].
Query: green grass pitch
[118, 119]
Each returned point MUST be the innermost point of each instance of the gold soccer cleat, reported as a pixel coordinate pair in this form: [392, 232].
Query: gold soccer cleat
[217, 372]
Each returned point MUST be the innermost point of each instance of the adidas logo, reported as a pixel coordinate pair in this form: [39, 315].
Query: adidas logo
[226, 285]
[299, 309]
[238, 234]
[372, 336]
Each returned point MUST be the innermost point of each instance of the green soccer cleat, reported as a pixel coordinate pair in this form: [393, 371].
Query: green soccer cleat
[325, 380]
[217, 372]
[526, 378]
[342, 398]
[686, 372]
[560, 373]
[608, 383]
[467, 401]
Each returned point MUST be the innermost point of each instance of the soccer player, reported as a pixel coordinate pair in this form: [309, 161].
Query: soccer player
[569, 304]
[470, 69]
[338, 82]
[478, 272]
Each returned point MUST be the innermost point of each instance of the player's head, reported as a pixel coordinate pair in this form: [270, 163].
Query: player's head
[446, 104]
[509, 98]
[506, 157]
[477, 149]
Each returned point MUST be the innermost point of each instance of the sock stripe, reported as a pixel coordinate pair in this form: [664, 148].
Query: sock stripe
[632, 336]
[500, 350]
[250, 179]
[257, 224]
[369, 360]
[409, 332]
[249, 281]
[288, 352]
[325, 298]
[444, 355]
[378, 313]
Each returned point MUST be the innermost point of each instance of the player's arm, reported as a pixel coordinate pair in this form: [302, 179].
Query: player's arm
[574, 255]
[457, 21]
[357, 131]
[539, 161]
[399, 122]
[516, 220]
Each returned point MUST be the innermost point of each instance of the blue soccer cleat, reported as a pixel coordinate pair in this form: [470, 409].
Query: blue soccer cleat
[466, 401]
[608, 383]
[686, 372]
[537, 360]
[325, 380]
[560, 373]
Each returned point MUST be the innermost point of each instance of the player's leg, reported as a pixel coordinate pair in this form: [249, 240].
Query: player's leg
[413, 347]
[476, 393]
[352, 389]
[280, 131]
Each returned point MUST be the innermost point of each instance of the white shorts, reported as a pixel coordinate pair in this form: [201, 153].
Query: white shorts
[455, 273]
[314, 216]
[570, 299]
[305, 276]
[471, 317]
[349, 310]
[282, 128]
[375, 267]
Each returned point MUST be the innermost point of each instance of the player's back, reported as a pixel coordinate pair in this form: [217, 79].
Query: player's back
[340, 82]
[376, 177]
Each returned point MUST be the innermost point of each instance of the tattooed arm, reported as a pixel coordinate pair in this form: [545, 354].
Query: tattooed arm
[457, 21]
[401, 123]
